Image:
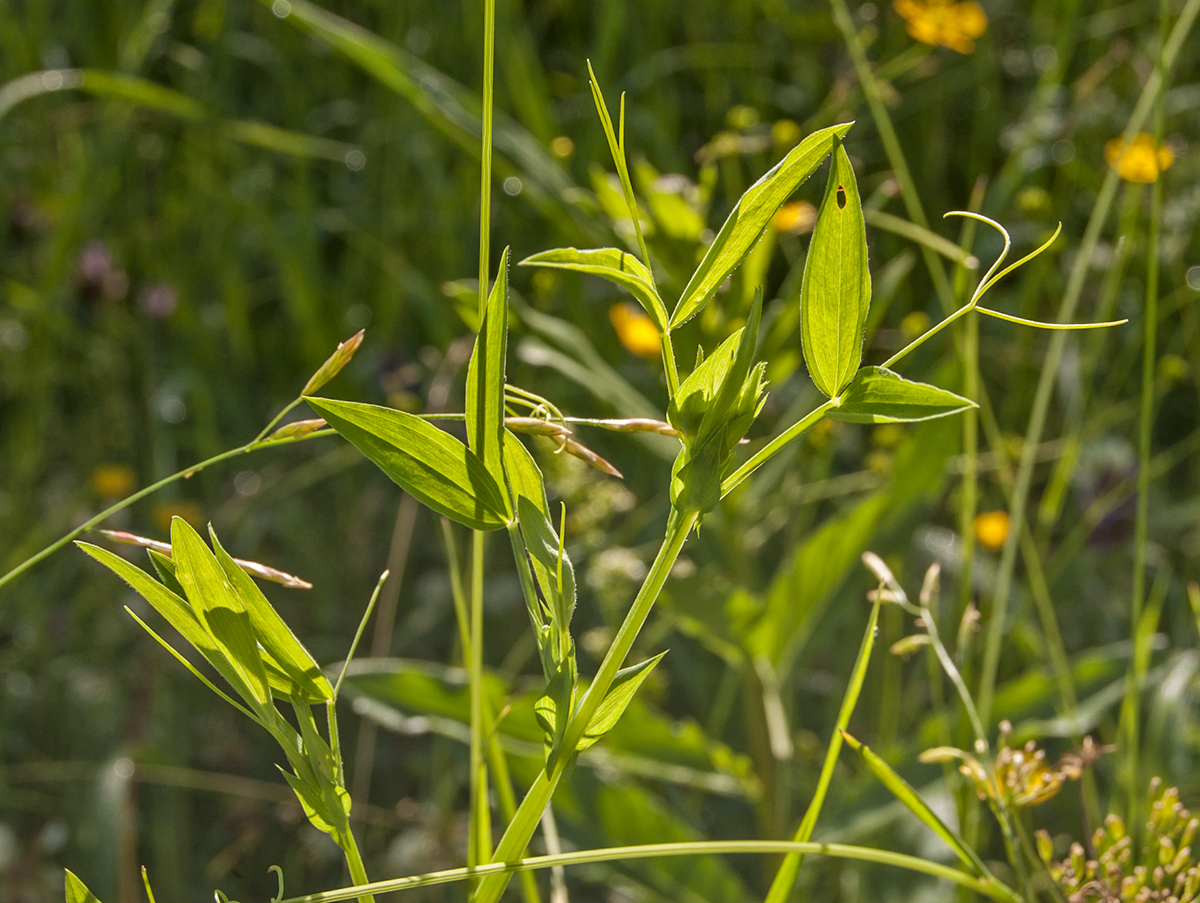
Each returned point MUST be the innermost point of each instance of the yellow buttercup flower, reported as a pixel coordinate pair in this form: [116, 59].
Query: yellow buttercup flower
[636, 331]
[1141, 162]
[944, 22]
[795, 217]
[991, 529]
[113, 481]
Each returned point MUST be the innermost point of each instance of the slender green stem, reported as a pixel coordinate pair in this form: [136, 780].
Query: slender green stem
[1049, 373]
[485, 174]
[358, 872]
[929, 334]
[776, 445]
[969, 500]
[891, 145]
[785, 878]
[668, 354]
[362, 625]
[1146, 417]
[993, 889]
[481, 822]
[270, 426]
[152, 488]
[524, 823]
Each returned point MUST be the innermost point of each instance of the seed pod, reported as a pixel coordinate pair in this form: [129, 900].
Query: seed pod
[536, 426]
[339, 359]
[583, 453]
[298, 428]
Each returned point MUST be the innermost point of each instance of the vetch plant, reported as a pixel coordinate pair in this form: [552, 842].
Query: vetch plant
[492, 482]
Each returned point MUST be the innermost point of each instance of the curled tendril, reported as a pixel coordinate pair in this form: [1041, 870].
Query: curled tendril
[279, 877]
[991, 277]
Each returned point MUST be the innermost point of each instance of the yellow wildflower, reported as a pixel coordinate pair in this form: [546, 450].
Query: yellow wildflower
[1141, 162]
[636, 331]
[991, 529]
[113, 481]
[951, 24]
[795, 217]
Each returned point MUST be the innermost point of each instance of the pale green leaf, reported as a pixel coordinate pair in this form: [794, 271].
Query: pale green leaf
[219, 609]
[555, 575]
[429, 464]
[485, 378]
[904, 792]
[77, 891]
[620, 694]
[878, 395]
[524, 476]
[612, 264]
[836, 292]
[174, 608]
[750, 217]
[302, 677]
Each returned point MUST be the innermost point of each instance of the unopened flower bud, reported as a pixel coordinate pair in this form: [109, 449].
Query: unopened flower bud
[339, 359]
[536, 426]
[298, 428]
[572, 447]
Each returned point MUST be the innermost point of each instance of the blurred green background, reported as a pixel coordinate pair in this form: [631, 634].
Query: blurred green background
[201, 198]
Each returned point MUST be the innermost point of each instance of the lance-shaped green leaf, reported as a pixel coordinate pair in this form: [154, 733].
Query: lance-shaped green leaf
[836, 291]
[904, 792]
[485, 379]
[878, 395]
[290, 668]
[712, 410]
[220, 609]
[77, 891]
[429, 464]
[620, 694]
[552, 566]
[750, 217]
[614, 265]
[174, 608]
[524, 477]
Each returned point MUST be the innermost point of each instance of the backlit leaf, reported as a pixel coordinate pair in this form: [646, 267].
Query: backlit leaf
[485, 378]
[620, 694]
[750, 217]
[302, 676]
[77, 891]
[614, 265]
[219, 608]
[836, 291]
[878, 395]
[429, 464]
[904, 792]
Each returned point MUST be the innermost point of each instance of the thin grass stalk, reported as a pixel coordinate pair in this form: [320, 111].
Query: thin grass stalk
[785, 877]
[1049, 370]
[1145, 424]
[991, 888]
[891, 145]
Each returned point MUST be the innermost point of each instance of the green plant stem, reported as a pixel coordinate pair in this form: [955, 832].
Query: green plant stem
[1146, 420]
[993, 889]
[891, 145]
[524, 823]
[776, 445]
[485, 174]
[358, 872]
[785, 877]
[270, 426]
[479, 846]
[1049, 372]
[152, 488]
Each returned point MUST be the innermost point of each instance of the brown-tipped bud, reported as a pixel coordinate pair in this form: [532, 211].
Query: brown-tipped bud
[583, 453]
[536, 426]
[298, 428]
[253, 568]
[637, 425]
[339, 359]
[909, 644]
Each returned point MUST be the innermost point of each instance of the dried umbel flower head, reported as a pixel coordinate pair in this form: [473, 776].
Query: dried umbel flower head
[1160, 870]
[1019, 777]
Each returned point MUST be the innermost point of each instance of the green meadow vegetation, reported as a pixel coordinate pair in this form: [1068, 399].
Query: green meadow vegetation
[712, 452]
